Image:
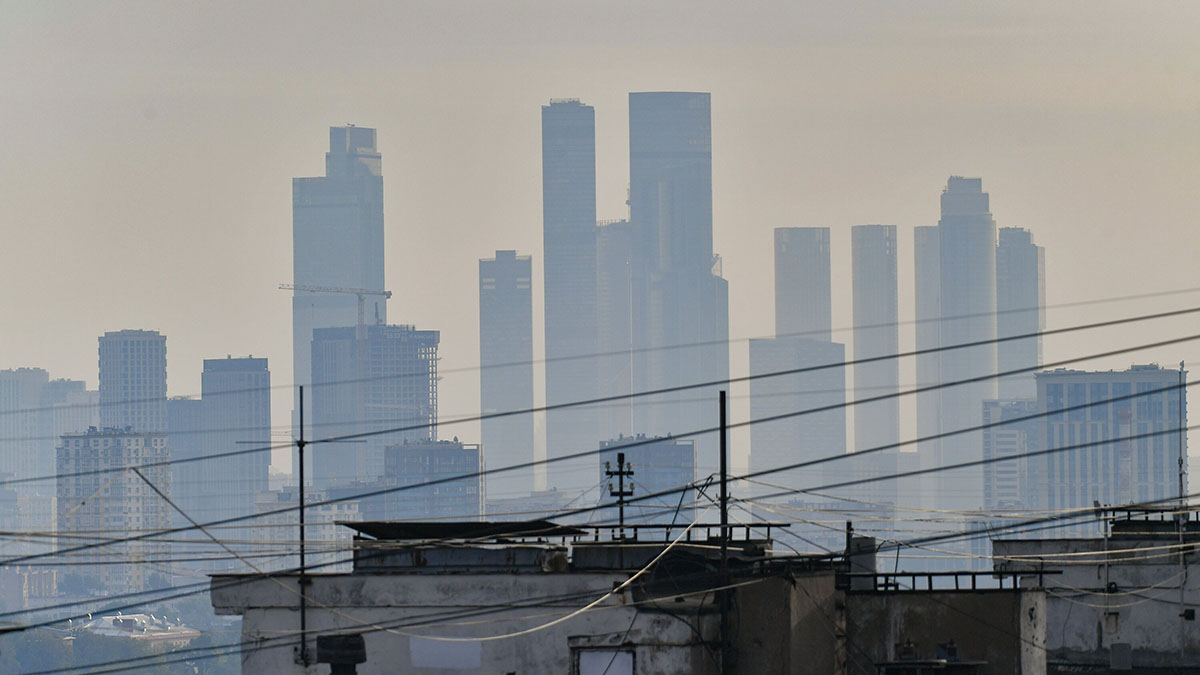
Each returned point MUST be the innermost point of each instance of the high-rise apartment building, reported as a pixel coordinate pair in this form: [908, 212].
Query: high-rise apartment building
[384, 384]
[569, 267]
[133, 381]
[1020, 310]
[337, 242]
[92, 498]
[679, 295]
[506, 369]
[1122, 452]
[876, 335]
[236, 396]
[803, 304]
[967, 251]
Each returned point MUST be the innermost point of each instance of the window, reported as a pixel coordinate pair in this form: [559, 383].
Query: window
[1054, 400]
[604, 662]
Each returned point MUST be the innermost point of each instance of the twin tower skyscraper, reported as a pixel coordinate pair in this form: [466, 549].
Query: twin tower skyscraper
[631, 306]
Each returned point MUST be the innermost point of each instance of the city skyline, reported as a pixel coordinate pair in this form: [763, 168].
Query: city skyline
[428, 230]
[790, 149]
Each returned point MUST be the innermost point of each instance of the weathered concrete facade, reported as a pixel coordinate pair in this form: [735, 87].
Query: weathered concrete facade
[405, 617]
[534, 606]
[1117, 599]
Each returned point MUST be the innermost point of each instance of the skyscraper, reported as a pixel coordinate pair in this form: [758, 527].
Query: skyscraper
[506, 369]
[928, 300]
[876, 334]
[967, 250]
[615, 257]
[803, 305]
[385, 383]
[679, 294]
[337, 242]
[569, 259]
[806, 345]
[1020, 310]
[798, 437]
[236, 396]
[192, 483]
[133, 381]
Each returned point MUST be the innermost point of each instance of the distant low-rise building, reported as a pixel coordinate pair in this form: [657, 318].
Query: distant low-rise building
[423, 480]
[1114, 451]
[657, 464]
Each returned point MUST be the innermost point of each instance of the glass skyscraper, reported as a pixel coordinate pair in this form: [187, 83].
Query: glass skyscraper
[569, 259]
[337, 242]
[506, 369]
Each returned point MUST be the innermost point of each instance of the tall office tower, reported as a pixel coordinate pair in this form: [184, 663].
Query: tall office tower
[569, 264]
[803, 305]
[928, 304]
[194, 485]
[133, 381]
[876, 334]
[20, 397]
[684, 317]
[1020, 309]
[236, 394]
[506, 369]
[1013, 430]
[337, 242]
[384, 384]
[92, 498]
[659, 465]
[967, 248]
[1109, 463]
[615, 257]
[799, 437]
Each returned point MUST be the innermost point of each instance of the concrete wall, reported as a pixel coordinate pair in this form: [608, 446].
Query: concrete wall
[789, 626]
[1143, 611]
[399, 613]
[1004, 629]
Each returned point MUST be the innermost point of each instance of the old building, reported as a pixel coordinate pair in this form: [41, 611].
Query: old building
[1123, 600]
[536, 597]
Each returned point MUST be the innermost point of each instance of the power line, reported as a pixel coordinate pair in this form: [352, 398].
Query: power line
[714, 383]
[587, 453]
[246, 390]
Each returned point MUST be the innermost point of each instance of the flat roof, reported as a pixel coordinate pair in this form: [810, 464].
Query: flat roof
[394, 530]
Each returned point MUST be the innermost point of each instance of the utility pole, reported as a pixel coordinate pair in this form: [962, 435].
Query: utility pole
[300, 443]
[726, 649]
[1181, 417]
[1181, 519]
[620, 492]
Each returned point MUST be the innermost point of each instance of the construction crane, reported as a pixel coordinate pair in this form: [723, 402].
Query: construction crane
[362, 293]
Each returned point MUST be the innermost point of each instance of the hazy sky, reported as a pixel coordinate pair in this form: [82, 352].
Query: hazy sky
[148, 151]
